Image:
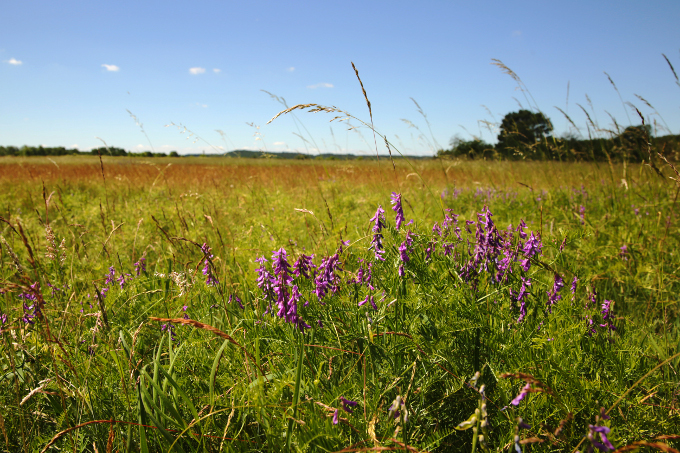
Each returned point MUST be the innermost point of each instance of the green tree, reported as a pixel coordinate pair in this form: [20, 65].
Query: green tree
[524, 133]
[110, 151]
[634, 142]
[471, 149]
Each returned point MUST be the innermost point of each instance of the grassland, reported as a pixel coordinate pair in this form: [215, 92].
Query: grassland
[189, 351]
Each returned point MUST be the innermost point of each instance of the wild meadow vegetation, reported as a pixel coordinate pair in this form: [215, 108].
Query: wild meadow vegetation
[232, 304]
[264, 305]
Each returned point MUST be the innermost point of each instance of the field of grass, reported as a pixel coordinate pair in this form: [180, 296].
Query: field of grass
[263, 305]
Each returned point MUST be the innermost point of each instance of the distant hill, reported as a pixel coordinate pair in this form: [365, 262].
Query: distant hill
[290, 155]
[242, 153]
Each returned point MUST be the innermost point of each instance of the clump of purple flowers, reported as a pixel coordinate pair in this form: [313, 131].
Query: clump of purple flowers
[281, 285]
[122, 280]
[111, 276]
[211, 280]
[607, 316]
[376, 241]
[140, 266]
[553, 296]
[303, 265]
[532, 247]
[396, 207]
[326, 279]
[31, 311]
[264, 278]
[403, 255]
[623, 254]
[170, 328]
[365, 276]
[521, 298]
[487, 247]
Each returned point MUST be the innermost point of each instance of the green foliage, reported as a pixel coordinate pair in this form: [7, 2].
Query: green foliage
[186, 388]
[471, 149]
[524, 133]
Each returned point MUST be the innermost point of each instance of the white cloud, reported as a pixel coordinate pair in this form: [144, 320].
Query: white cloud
[320, 85]
[14, 61]
[205, 106]
[196, 71]
[217, 71]
[279, 143]
[291, 69]
[111, 67]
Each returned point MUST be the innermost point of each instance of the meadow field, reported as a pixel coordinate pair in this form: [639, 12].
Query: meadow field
[215, 304]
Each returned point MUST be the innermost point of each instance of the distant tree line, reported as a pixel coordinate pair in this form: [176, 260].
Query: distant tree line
[61, 151]
[528, 135]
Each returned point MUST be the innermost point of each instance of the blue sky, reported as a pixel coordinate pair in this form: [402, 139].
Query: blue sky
[71, 70]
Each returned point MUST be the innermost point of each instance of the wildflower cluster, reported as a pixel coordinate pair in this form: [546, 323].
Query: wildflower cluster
[211, 280]
[279, 286]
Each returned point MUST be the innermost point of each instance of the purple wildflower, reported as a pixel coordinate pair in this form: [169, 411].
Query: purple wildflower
[450, 220]
[448, 248]
[521, 298]
[368, 277]
[605, 445]
[397, 408]
[436, 229]
[140, 266]
[521, 424]
[531, 248]
[265, 280]
[624, 252]
[170, 328]
[524, 392]
[55, 289]
[370, 299]
[281, 267]
[211, 280]
[121, 280]
[303, 265]
[553, 297]
[335, 416]
[509, 255]
[29, 313]
[376, 241]
[396, 202]
[347, 405]
[281, 281]
[237, 299]
[520, 229]
[582, 214]
[111, 276]
[607, 316]
[360, 276]
[327, 279]
[430, 248]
